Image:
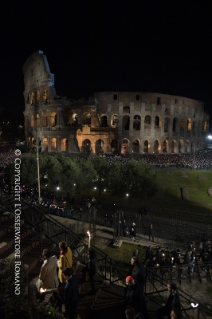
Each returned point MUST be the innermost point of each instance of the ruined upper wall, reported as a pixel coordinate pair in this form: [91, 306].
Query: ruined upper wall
[105, 98]
[37, 74]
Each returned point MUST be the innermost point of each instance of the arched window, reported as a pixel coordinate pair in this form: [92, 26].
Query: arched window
[114, 146]
[174, 147]
[125, 146]
[137, 123]
[187, 146]
[54, 145]
[45, 144]
[87, 119]
[64, 145]
[115, 121]
[166, 124]
[181, 146]
[44, 119]
[38, 96]
[156, 146]
[44, 96]
[146, 146]
[86, 146]
[38, 120]
[32, 120]
[165, 146]
[189, 125]
[147, 119]
[182, 125]
[135, 146]
[157, 122]
[174, 128]
[126, 123]
[53, 119]
[99, 147]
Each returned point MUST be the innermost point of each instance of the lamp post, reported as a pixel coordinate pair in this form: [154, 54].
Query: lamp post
[37, 146]
[89, 239]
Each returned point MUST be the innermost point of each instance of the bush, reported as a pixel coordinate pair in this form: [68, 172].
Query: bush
[23, 305]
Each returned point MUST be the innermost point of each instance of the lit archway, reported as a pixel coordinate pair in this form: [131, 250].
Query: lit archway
[54, 144]
[86, 146]
[135, 146]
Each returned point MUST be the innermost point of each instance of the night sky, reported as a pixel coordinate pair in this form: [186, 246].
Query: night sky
[152, 46]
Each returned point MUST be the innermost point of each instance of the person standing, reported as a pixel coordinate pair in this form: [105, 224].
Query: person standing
[138, 272]
[48, 273]
[172, 302]
[106, 220]
[133, 231]
[80, 212]
[69, 295]
[65, 261]
[151, 232]
[148, 254]
[91, 268]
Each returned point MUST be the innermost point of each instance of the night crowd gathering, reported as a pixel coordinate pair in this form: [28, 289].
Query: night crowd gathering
[65, 284]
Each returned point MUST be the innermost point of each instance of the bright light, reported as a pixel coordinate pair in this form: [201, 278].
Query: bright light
[46, 185]
[104, 190]
[127, 195]
[88, 233]
[194, 305]
[74, 184]
[58, 187]
[210, 137]
[94, 188]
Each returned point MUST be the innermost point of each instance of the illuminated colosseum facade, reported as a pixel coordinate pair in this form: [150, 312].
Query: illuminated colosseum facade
[126, 122]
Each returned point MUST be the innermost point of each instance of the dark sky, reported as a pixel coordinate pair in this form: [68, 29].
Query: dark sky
[155, 46]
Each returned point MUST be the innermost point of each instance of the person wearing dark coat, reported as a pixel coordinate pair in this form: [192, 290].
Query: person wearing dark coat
[176, 256]
[138, 272]
[159, 256]
[134, 297]
[91, 268]
[148, 254]
[133, 230]
[173, 302]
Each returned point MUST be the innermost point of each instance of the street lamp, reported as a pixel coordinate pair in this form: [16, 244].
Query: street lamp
[89, 239]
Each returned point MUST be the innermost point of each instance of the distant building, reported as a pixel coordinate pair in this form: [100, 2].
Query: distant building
[126, 122]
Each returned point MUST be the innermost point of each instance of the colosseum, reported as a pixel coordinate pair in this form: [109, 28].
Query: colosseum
[119, 122]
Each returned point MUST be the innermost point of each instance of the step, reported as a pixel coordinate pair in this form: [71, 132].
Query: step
[8, 239]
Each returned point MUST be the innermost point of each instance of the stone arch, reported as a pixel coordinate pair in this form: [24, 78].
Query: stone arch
[114, 145]
[74, 119]
[157, 121]
[166, 124]
[53, 119]
[126, 109]
[174, 126]
[54, 144]
[38, 120]
[103, 122]
[146, 146]
[189, 124]
[87, 119]
[64, 145]
[99, 147]
[174, 146]
[157, 146]
[135, 146]
[86, 146]
[32, 98]
[182, 125]
[38, 96]
[187, 146]
[181, 146]
[44, 96]
[115, 120]
[126, 123]
[44, 118]
[137, 123]
[165, 146]
[45, 144]
[205, 126]
[125, 146]
[147, 119]
[32, 120]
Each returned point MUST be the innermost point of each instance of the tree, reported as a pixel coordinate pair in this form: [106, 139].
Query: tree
[69, 172]
[86, 176]
[116, 177]
[139, 180]
[29, 170]
[102, 169]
